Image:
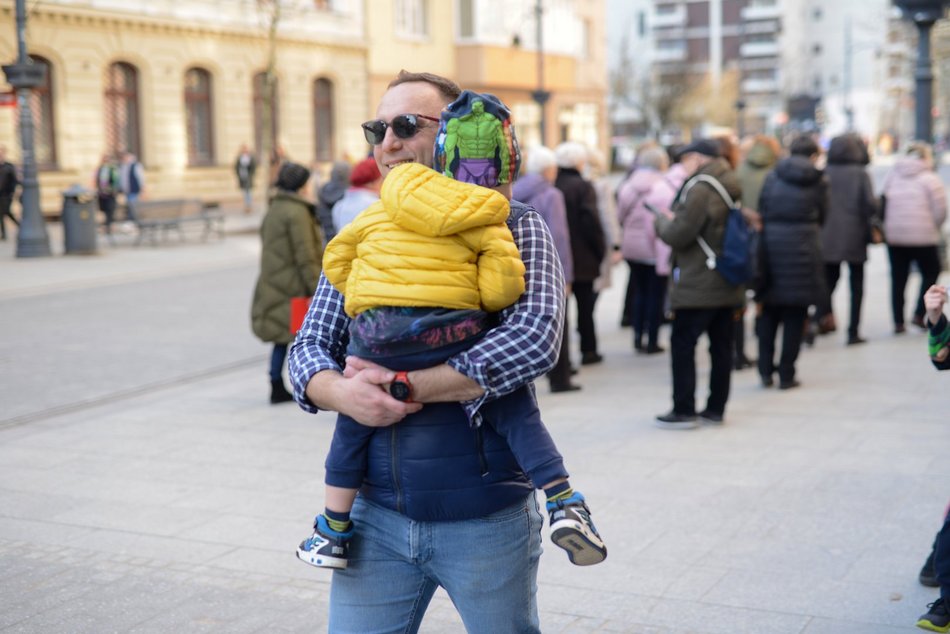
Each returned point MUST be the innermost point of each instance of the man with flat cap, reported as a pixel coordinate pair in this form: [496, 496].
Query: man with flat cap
[702, 301]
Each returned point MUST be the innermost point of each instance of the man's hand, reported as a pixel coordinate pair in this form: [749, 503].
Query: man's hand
[934, 299]
[360, 394]
[438, 384]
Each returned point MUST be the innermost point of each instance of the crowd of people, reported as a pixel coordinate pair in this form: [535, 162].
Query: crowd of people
[419, 315]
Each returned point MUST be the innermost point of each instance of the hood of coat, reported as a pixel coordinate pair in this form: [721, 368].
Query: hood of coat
[761, 156]
[910, 166]
[419, 199]
[281, 195]
[798, 170]
[529, 186]
[643, 180]
[847, 148]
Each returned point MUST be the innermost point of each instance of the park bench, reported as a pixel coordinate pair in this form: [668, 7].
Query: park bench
[154, 216]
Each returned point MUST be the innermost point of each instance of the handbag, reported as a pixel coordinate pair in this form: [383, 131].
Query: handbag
[298, 310]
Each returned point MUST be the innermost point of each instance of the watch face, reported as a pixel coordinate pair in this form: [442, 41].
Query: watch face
[399, 390]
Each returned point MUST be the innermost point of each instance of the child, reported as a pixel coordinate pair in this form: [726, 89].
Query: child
[937, 619]
[421, 271]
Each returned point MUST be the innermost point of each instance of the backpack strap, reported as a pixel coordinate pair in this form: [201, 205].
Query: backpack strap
[715, 184]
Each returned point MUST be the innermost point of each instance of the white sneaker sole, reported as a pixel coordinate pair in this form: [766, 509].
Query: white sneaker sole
[583, 547]
[321, 561]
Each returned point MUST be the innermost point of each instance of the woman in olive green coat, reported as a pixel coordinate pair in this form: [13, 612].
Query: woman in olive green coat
[291, 256]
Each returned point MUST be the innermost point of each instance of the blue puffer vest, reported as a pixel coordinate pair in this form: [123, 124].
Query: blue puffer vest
[430, 465]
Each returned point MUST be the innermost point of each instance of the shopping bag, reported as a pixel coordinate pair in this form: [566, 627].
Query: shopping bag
[298, 310]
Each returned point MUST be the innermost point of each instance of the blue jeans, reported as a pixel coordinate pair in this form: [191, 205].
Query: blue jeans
[488, 567]
[277, 357]
[130, 200]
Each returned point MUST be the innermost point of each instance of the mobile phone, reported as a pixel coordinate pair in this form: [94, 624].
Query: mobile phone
[651, 208]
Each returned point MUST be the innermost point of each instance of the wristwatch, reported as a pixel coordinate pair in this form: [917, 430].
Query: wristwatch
[400, 388]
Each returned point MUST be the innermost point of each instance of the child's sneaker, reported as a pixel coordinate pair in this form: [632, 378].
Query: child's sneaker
[326, 548]
[937, 619]
[572, 530]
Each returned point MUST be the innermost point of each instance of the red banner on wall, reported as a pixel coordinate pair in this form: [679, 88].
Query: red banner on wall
[7, 99]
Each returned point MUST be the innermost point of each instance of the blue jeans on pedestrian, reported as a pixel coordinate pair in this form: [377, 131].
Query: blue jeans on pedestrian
[130, 202]
[488, 567]
[277, 357]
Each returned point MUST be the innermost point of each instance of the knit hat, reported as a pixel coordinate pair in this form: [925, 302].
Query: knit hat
[476, 142]
[707, 147]
[292, 177]
[366, 171]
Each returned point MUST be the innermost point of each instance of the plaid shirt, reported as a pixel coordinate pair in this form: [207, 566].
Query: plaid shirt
[522, 347]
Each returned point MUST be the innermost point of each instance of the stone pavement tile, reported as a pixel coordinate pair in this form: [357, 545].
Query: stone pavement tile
[833, 626]
[252, 532]
[704, 617]
[143, 517]
[37, 532]
[27, 506]
[14, 455]
[815, 595]
[170, 549]
[273, 563]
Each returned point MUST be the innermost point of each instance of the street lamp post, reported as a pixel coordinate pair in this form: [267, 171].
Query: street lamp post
[924, 13]
[24, 76]
[740, 119]
[540, 95]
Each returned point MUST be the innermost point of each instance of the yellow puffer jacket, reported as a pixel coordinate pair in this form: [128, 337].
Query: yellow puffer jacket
[430, 241]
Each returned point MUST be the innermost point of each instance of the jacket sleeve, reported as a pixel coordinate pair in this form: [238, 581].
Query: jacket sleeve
[938, 199]
[938, 337]
[557, 212]
[307, 251]
[680, 231]
[500, 270]
[868, 201]
[339, 255]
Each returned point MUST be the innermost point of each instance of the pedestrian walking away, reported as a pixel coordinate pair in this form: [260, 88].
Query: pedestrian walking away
[915, 207]
[588, 242]
[702, 300]
[847, 229]
[8, 186]
[244, 168]
[433, 475]
[791, 277]
[536, 189]
[132, 179]
[291, 255]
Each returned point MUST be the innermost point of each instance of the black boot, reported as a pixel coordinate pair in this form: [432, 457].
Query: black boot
[278, 393]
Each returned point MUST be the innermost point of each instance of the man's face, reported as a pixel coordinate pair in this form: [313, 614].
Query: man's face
[409, 98]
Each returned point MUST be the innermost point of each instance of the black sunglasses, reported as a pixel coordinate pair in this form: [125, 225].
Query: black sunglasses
[404, 126]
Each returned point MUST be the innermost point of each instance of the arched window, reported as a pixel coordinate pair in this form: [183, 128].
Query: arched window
[44, 131]
[323, 119]
[122, 109]
[259, 80]
[199, 123]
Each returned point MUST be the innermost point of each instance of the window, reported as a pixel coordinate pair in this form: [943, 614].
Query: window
[44, 131]
[585, 39]
[122, 109]
[259, 82]
[198, 119]
[323, 119]
[642, 23]
[411, 18]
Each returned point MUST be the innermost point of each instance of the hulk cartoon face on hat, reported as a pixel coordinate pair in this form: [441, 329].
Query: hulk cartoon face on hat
[476, 142]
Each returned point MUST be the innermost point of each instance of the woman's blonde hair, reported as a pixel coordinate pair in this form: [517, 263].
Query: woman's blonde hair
[921, 150]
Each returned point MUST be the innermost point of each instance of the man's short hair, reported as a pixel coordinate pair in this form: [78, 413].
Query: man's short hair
[448, 88]
[803, 145]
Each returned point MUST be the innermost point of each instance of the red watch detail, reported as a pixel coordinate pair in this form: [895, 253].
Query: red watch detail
[400, 388]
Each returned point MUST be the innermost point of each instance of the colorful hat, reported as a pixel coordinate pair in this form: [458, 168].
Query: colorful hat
[476, 142]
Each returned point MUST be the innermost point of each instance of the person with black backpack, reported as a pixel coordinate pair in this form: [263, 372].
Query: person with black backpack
[793, 204]
[702, 299]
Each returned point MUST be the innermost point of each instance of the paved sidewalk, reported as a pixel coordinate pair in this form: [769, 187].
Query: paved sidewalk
[808, 512]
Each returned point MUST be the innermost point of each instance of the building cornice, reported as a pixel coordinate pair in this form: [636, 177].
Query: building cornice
[93, 18]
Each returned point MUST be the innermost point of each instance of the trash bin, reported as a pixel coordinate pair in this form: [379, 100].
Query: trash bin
[79, 220]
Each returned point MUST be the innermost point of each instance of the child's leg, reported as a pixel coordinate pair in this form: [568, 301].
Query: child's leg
[517, 419]
[345, 469]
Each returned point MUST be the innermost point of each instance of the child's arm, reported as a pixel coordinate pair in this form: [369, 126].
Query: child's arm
[500, 270]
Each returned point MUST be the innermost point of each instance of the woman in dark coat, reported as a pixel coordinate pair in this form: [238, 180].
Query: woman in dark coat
[588, 245]
[792, 205]
[847, 228]
[291, 259]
